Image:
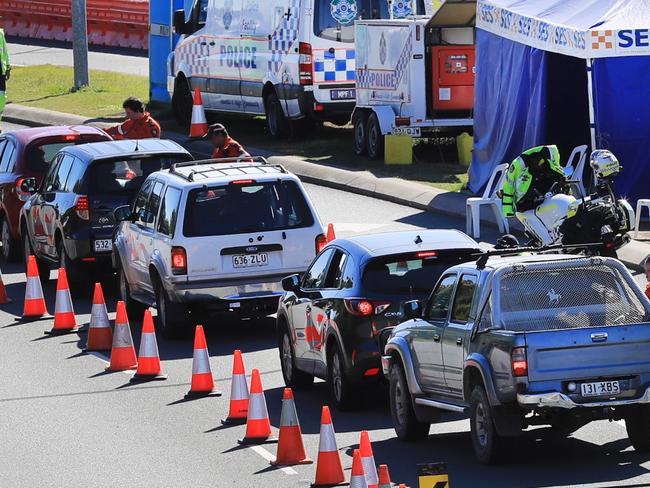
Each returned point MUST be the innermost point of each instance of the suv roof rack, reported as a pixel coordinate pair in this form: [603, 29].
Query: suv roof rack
[229, 164]
[482, 258]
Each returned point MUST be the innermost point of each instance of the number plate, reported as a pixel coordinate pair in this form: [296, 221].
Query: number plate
[408, 131]
[250, 260]
[102, 245]
[343, 94]
[600, 388]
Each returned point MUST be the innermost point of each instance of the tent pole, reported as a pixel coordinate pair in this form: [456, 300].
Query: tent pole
[592, 115]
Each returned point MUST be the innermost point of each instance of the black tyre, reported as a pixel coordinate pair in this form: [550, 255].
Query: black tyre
[344, 394]
[360, 123]
[182, 102]
[374, 138]
[489, 446]
[637, 424]
[43, 267]
[293, 377]
[134, 309]
[172, 317]
[277, 125]
[10, 246]
[407, 426]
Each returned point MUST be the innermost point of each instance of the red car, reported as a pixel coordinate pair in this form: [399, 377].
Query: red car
[28, 153]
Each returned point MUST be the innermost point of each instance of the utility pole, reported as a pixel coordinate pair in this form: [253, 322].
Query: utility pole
[80, 43]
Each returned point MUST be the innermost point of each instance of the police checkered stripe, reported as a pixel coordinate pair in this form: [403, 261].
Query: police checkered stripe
[288, 416]
[327, 442]
[122, 336]
[99, 316]
[34, 290]
[284, 37]
[239, 388]
[339, 66]
[148, 346]
[194, 55]
[402, 62]
[257, 407]
[201, 362]
[63, 303]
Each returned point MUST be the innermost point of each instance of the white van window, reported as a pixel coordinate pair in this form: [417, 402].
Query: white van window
[334, 19]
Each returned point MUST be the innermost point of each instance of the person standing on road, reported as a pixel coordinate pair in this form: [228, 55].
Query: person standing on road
[646, 268]
[5, 71]
[138, 124]
[224, 145]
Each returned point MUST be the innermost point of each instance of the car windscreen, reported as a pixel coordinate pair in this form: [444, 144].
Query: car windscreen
[241, 208]
[125, 176]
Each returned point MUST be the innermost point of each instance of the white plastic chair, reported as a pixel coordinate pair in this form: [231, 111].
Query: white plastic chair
[577, 161]
[473, 209]
[640, 205]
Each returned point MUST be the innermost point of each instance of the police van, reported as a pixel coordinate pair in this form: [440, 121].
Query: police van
[286, 59]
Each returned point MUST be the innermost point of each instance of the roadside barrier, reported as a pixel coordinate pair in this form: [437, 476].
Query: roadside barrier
[368, 459]
[4, 298]
[384, 477]
[238, 392]
[149, 368]
[64, 319]
[122, 353]
[291, 449]
[199, 123]
[331, 235]
[202, 380]
[357, 476]
[100, 334]
[34, 306]
[120, 23]
[329, 471]
[258, 426]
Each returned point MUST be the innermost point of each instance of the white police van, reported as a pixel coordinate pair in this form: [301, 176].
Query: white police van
[286, 59]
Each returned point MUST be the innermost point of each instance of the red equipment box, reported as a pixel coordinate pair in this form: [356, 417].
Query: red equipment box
[453, 77]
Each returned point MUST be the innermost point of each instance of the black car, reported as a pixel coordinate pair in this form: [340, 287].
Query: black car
[69, 221]
[333, 322]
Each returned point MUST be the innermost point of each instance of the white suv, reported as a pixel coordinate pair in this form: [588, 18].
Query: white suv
[216, 236]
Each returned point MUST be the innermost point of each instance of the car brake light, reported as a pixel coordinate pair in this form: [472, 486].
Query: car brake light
[402, 121]
[22, 195]
[70, 137]
[82, 207]
[321, 241]
[371, 372]
[365, 308]
[318, 107]
[519, 362]
[426, 254]
[305, 64]
[242, 182]
[179, 260]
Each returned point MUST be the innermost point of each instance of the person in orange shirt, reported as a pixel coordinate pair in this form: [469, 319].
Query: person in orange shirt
[138, 124]
[224, 145]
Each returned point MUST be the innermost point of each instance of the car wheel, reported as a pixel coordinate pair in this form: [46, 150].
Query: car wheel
[360, 122]
[74, 274]
[637, 424]
[10, 247]
[43, 267]
[182, 102]
[134, 309]
[171, 316]
[293, 377]
[407, 426]
[277, 125]
[343, 393]
[489, 446]
[374, 138]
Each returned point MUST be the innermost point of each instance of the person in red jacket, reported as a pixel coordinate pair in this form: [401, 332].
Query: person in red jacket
[138, 124]
[224, 145]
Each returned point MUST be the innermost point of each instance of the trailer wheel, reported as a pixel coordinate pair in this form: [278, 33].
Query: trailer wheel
[360, 123]
[374, 138]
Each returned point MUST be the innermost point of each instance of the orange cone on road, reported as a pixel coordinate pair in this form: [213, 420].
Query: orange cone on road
[258, 426]
[291, 449]
[330, 233]
[357, 477]
[100, 334]
[238, 392]
[202, 380]
[34, 307]
[149, 368]
[329, 471]
[64, 319]
[199, 124]
[4, 299]
[368, 459]
[122, 352]
[384, 477]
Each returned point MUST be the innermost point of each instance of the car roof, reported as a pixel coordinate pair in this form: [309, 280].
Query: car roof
[25, 136]
[498, 262]
[387, 243]
[226, 170]
[125, 148]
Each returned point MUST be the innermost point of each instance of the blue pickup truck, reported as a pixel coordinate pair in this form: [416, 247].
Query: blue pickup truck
[520, 341]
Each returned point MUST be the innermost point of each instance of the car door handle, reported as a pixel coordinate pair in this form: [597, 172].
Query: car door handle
[436, 337]
[204, 43]
[459, 341]
[212, 43]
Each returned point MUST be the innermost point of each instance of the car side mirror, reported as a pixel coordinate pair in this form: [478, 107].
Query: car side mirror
[123, 213]
[291, 283]
[413, 309]
[180, 27]
[28, 185]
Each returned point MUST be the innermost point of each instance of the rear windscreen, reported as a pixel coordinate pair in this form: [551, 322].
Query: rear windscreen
[39, 155]
[237, 209]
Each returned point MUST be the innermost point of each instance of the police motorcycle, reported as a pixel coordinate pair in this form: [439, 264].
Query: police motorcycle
[600, 217]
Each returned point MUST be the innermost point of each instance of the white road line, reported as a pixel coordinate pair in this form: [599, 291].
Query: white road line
[107, 361]
[270, 457]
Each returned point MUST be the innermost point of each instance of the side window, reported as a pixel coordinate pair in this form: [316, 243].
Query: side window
[48, 181]
[336, 270]
[7, 158]
[142, 198]
[347, 277]
[153, 205]
[441, 298]
[485, 321]
[62, 173]
[463, 299]
[169, 211]
[77, 171]
[4, 143]
[315, 276]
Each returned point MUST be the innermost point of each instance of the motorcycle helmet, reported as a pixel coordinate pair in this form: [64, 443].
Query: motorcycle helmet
[604, 164]
[507, 241]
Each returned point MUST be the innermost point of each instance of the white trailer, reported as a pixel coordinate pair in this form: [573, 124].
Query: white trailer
[404, 86]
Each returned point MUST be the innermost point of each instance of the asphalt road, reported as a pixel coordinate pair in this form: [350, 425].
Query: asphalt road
[66, 422]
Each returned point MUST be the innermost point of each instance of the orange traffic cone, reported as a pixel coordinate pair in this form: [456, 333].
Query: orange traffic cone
[64, 319]
[122, 352]
[368, 459]
[258, 427]
[202, 380]
[100, 335]
[384, 477]
[149, 368]
[330, 233]
[329, 471]
[4, 299]
[199, 123]
[34, 307]
[357, 477]
[238, 392]
[291, 449]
